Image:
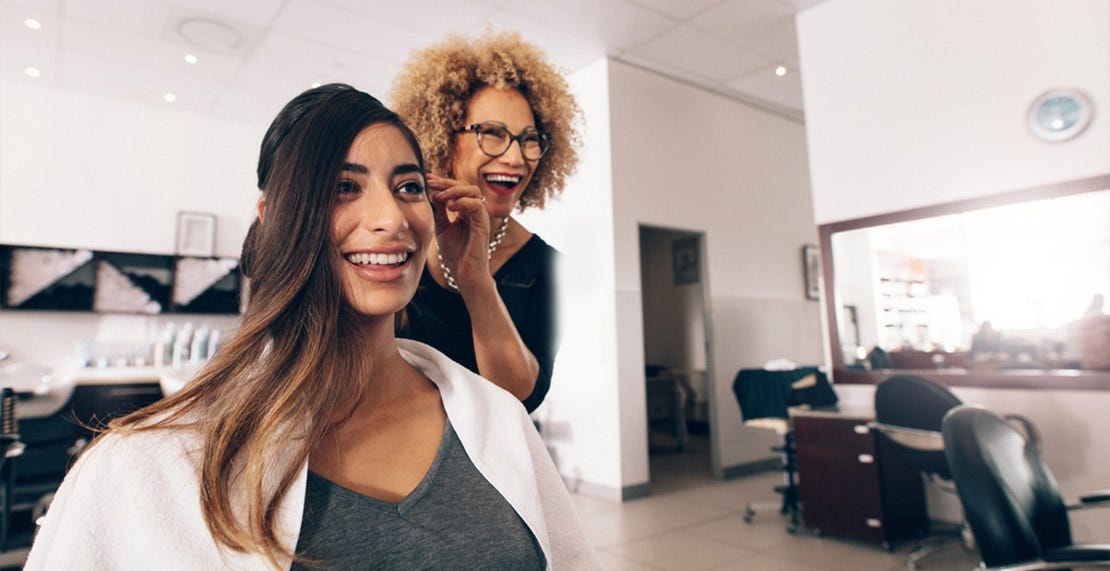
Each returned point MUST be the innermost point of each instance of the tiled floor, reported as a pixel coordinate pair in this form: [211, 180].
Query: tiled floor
[691, 522]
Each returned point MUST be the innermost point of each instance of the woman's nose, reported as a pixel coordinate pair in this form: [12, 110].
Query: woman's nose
[381, 213]
[514, 155]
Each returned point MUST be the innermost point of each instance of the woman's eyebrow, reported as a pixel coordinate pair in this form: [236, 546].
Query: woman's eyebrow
[352, 167]
[407, 168]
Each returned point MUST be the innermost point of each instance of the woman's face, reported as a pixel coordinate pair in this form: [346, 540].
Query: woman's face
[501, 179]
[382, 222]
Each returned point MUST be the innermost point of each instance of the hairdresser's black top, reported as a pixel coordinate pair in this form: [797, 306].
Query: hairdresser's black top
[437, 316]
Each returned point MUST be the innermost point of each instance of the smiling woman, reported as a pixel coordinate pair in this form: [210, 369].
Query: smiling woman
[313, 411]
[926, 287]
[497, 122]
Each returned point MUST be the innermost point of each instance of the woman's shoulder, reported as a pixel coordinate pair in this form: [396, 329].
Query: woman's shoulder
[534, 257]
[537, 246]
[144, 454]
[453, 380]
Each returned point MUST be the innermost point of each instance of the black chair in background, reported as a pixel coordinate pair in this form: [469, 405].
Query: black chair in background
[51, 443]
[909, 413]
[1010, 498]
[909, 410]
[765, 398]
[10, 449]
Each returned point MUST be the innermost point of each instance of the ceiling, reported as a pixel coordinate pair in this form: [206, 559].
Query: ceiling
[254, 55]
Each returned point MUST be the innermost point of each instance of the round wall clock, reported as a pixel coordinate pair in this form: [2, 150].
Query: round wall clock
[1060, 114]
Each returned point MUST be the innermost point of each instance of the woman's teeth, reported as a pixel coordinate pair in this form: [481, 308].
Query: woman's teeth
[507, 180]
[363, 259]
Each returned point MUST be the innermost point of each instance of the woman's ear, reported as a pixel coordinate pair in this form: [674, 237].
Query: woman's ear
[261, 207]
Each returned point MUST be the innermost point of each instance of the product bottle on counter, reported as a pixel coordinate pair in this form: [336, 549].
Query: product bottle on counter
[198, 350]
[213, 343]
[181, 345]
[163, 346]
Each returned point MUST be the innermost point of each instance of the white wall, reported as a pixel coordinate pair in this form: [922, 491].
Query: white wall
[661, 153]
[684, 158]
[922, 102]
[104, 174]
[581, 417]
[98, 173]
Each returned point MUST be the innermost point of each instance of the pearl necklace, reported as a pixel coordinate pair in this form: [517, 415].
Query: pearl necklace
[493, 244]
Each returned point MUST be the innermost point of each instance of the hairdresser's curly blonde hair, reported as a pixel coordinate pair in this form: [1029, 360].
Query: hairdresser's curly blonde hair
[432, 92]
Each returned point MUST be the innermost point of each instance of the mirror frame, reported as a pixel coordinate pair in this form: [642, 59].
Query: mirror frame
[1070, 379]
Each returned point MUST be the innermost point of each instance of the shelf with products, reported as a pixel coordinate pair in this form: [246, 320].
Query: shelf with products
[900, 300]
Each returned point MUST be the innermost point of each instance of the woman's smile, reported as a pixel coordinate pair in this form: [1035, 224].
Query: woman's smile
[380, 266]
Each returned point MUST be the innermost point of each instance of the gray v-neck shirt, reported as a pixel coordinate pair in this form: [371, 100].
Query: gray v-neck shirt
[454, 519]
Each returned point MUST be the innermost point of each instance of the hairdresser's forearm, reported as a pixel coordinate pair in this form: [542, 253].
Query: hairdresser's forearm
[501, 354]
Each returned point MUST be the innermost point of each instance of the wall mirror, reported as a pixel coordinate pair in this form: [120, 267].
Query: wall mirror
[1011, 290]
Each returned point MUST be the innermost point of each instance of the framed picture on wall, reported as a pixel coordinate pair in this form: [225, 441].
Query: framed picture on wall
[685, 260]
[811, 262]
[196, 234]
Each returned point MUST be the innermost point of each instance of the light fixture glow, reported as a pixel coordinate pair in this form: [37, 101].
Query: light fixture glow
[32, 24]
[780, 71]
[316, 84]
[169, 97]
[190, 58]
[33, 72]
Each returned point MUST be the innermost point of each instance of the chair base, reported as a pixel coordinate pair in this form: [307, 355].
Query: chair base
[937, 540]
[789, 508]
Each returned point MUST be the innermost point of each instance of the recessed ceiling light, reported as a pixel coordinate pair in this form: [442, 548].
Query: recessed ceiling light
[190, 58]
[169, 97]
[210, 34]
[32, 72]
[32, 24]
[780, 71]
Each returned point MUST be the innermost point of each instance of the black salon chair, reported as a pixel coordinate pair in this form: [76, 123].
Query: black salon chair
[909, 410]
[10, 450]
[1010, 498]
[765, 398]
[51, 443]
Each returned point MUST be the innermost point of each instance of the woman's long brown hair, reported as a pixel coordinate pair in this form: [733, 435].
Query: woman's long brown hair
[272, 389]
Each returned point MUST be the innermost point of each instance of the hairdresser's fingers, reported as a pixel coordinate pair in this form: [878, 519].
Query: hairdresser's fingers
[443, 192]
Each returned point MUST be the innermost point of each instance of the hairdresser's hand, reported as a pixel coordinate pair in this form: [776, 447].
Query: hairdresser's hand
[462, 230]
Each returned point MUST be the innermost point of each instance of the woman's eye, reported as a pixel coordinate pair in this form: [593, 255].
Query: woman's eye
[494, 132]
[411, 187]
[346, 187]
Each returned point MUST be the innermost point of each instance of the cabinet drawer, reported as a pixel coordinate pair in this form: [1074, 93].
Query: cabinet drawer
[849, 433]
[838, 492]
[851, 485]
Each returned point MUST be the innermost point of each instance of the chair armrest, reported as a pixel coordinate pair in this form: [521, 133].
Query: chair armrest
[1099, 499]
[915, 438]
[1079, 555]
[1031, 433]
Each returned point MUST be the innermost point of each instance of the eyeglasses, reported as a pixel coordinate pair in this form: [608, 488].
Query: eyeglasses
[494, 140]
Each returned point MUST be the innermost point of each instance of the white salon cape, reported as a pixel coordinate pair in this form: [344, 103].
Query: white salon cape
[132, 502]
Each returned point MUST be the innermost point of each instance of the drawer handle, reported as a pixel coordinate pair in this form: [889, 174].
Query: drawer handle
[866, 458]
[874, 522]
[861, 429]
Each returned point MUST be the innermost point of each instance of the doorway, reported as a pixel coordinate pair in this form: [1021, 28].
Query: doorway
[677, 357]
